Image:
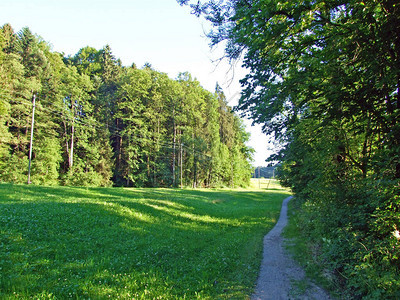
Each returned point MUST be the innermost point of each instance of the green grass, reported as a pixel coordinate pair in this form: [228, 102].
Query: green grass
[118, 243]
[265, 184]
[304, 250]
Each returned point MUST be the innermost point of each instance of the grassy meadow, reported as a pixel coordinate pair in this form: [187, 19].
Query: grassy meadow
[120, 243]
[266, 184]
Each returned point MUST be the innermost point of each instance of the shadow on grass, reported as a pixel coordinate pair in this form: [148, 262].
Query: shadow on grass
[100, 242]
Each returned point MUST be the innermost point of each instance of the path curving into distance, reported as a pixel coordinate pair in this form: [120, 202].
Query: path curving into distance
[279, 272]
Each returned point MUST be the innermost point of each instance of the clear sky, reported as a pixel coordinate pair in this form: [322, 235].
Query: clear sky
[160, 32]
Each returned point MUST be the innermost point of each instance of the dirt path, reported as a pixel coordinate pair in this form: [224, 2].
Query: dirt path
[280, 277]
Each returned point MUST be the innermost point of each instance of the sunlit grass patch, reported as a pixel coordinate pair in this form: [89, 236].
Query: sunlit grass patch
[62, 242]
[266, 184]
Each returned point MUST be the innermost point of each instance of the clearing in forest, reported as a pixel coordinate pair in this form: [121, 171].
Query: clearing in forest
[68, 242]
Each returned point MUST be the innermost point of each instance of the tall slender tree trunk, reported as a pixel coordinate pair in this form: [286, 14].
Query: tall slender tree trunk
[118, 146]
[157, 150]
[194, 163]
[174, 155]
[232, 174]
[181, 145]
[71, 153]
[31, 143]
[195, 173]
[154, 174]
[66, 139]
[148, 166]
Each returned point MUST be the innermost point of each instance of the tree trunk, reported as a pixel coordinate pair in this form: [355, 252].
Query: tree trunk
[71, 153]
[31, 143]
[174, 156]
[181, 145]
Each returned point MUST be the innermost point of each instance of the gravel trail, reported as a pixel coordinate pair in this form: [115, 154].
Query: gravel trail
[280, 277]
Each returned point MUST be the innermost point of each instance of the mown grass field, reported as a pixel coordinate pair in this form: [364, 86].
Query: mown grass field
[118, 243]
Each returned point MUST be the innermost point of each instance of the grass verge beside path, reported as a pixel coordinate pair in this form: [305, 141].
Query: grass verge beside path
[98, 243]
[305, 250]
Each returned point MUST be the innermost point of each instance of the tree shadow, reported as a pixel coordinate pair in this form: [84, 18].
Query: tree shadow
[81, 243]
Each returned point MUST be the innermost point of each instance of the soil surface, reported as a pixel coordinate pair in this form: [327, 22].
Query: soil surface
[280, 276]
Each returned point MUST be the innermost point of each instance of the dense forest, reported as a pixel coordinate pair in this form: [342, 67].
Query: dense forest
[98, 123]
[324, 79]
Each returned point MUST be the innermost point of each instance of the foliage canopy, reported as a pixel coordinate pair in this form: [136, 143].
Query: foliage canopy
[99, 123]
[324, 79]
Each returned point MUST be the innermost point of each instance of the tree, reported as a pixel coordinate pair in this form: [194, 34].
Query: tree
[4, 102]
[24, 66]
[87, 151]
[97, 122]
[134, 130]
[88, 61]
[323, 78]
[101, 100]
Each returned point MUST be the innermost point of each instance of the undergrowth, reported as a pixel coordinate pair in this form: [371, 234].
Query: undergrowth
[305, 249]
[346, 265]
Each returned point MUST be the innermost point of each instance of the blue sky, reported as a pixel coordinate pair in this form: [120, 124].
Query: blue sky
[160, 32]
